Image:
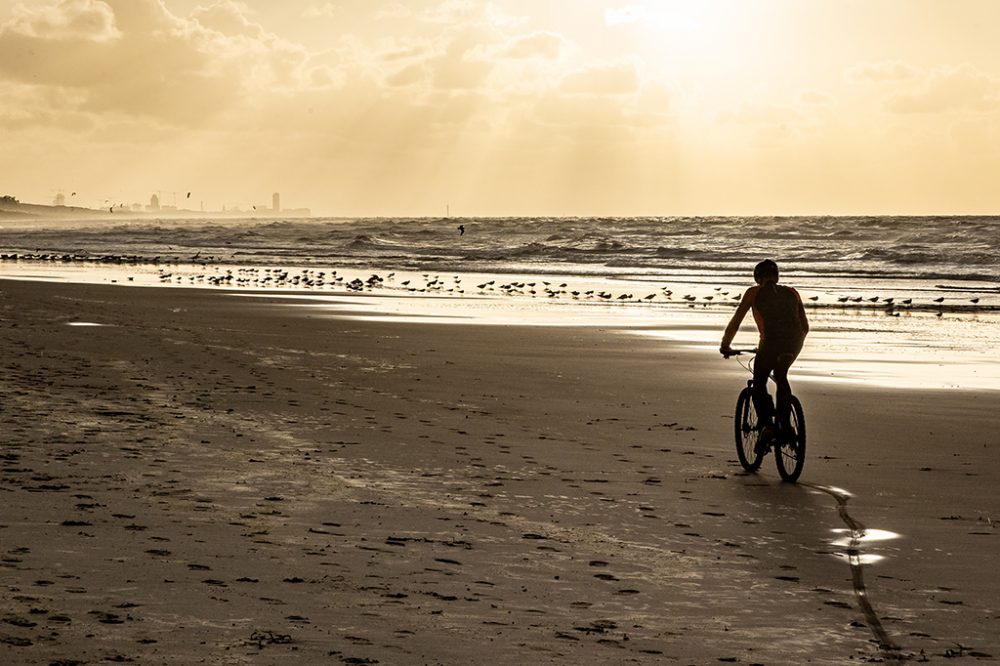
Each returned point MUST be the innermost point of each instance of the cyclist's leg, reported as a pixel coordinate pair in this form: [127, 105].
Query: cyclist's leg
[763, 364]
[783, 361]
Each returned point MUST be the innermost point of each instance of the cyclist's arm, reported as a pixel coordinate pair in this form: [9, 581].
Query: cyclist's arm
[734, 324]
[803, 321]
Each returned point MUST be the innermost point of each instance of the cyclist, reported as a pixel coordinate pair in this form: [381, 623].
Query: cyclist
[781, 321]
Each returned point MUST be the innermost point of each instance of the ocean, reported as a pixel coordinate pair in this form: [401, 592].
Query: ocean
[915, 292]
[927, 251]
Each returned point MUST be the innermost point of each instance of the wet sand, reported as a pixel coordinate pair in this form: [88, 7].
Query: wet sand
[213, 479]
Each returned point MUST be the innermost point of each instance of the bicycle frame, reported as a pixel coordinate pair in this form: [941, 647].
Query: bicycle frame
[748, 366]
[789, 455]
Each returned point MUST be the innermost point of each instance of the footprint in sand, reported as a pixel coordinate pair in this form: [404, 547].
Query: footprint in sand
[107, 618]
[16, 641]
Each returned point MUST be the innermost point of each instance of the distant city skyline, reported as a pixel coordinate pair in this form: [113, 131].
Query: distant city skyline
[61, 206]
[155, 202]
[506, 107]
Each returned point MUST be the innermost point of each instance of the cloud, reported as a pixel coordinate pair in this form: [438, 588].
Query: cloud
[953, 88]
[459, 59]
[405, 53]
[623, 15]
[880, 72]
[325, 10]
[611, 79]
[27, 106]
[451, 11]
[545, 45]
[229, 18]
[408, 76]
[134, 57]
[459, 73]
[393, 11]
[90, 20]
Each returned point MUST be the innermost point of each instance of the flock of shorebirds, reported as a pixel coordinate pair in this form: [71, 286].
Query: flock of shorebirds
[428, 283]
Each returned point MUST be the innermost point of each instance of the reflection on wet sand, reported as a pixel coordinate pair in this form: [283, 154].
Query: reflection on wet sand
[857, 535]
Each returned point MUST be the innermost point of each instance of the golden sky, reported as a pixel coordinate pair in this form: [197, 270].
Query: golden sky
[506, 107]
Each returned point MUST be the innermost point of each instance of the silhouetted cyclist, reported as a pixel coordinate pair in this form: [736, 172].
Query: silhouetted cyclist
[781, 320]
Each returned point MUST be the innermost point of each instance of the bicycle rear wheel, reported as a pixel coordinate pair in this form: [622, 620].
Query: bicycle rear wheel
[747, 432]
[790, 452]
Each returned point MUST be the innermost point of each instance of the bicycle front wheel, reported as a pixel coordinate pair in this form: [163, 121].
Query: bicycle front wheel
[747, 432]
[790, 453]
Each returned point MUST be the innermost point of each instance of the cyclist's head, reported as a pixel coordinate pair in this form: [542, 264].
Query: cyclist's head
[765, 271]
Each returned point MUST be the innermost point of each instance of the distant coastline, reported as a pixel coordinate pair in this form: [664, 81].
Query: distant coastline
[12, 209]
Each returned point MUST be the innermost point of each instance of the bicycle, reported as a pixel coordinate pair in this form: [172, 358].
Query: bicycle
[788, 442]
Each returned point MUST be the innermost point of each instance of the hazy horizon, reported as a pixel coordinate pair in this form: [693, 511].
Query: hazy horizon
[505, 107]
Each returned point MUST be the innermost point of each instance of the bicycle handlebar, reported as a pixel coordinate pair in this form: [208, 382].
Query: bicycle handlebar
[738, 352]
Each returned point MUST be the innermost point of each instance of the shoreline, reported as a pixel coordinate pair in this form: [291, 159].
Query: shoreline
[914, 347]
[233, 471]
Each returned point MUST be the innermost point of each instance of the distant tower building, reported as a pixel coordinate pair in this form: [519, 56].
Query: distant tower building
[154, 203]
[60, 200]
[276, 202]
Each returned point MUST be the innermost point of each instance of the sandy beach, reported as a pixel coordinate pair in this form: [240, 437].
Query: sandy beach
[191, 476]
